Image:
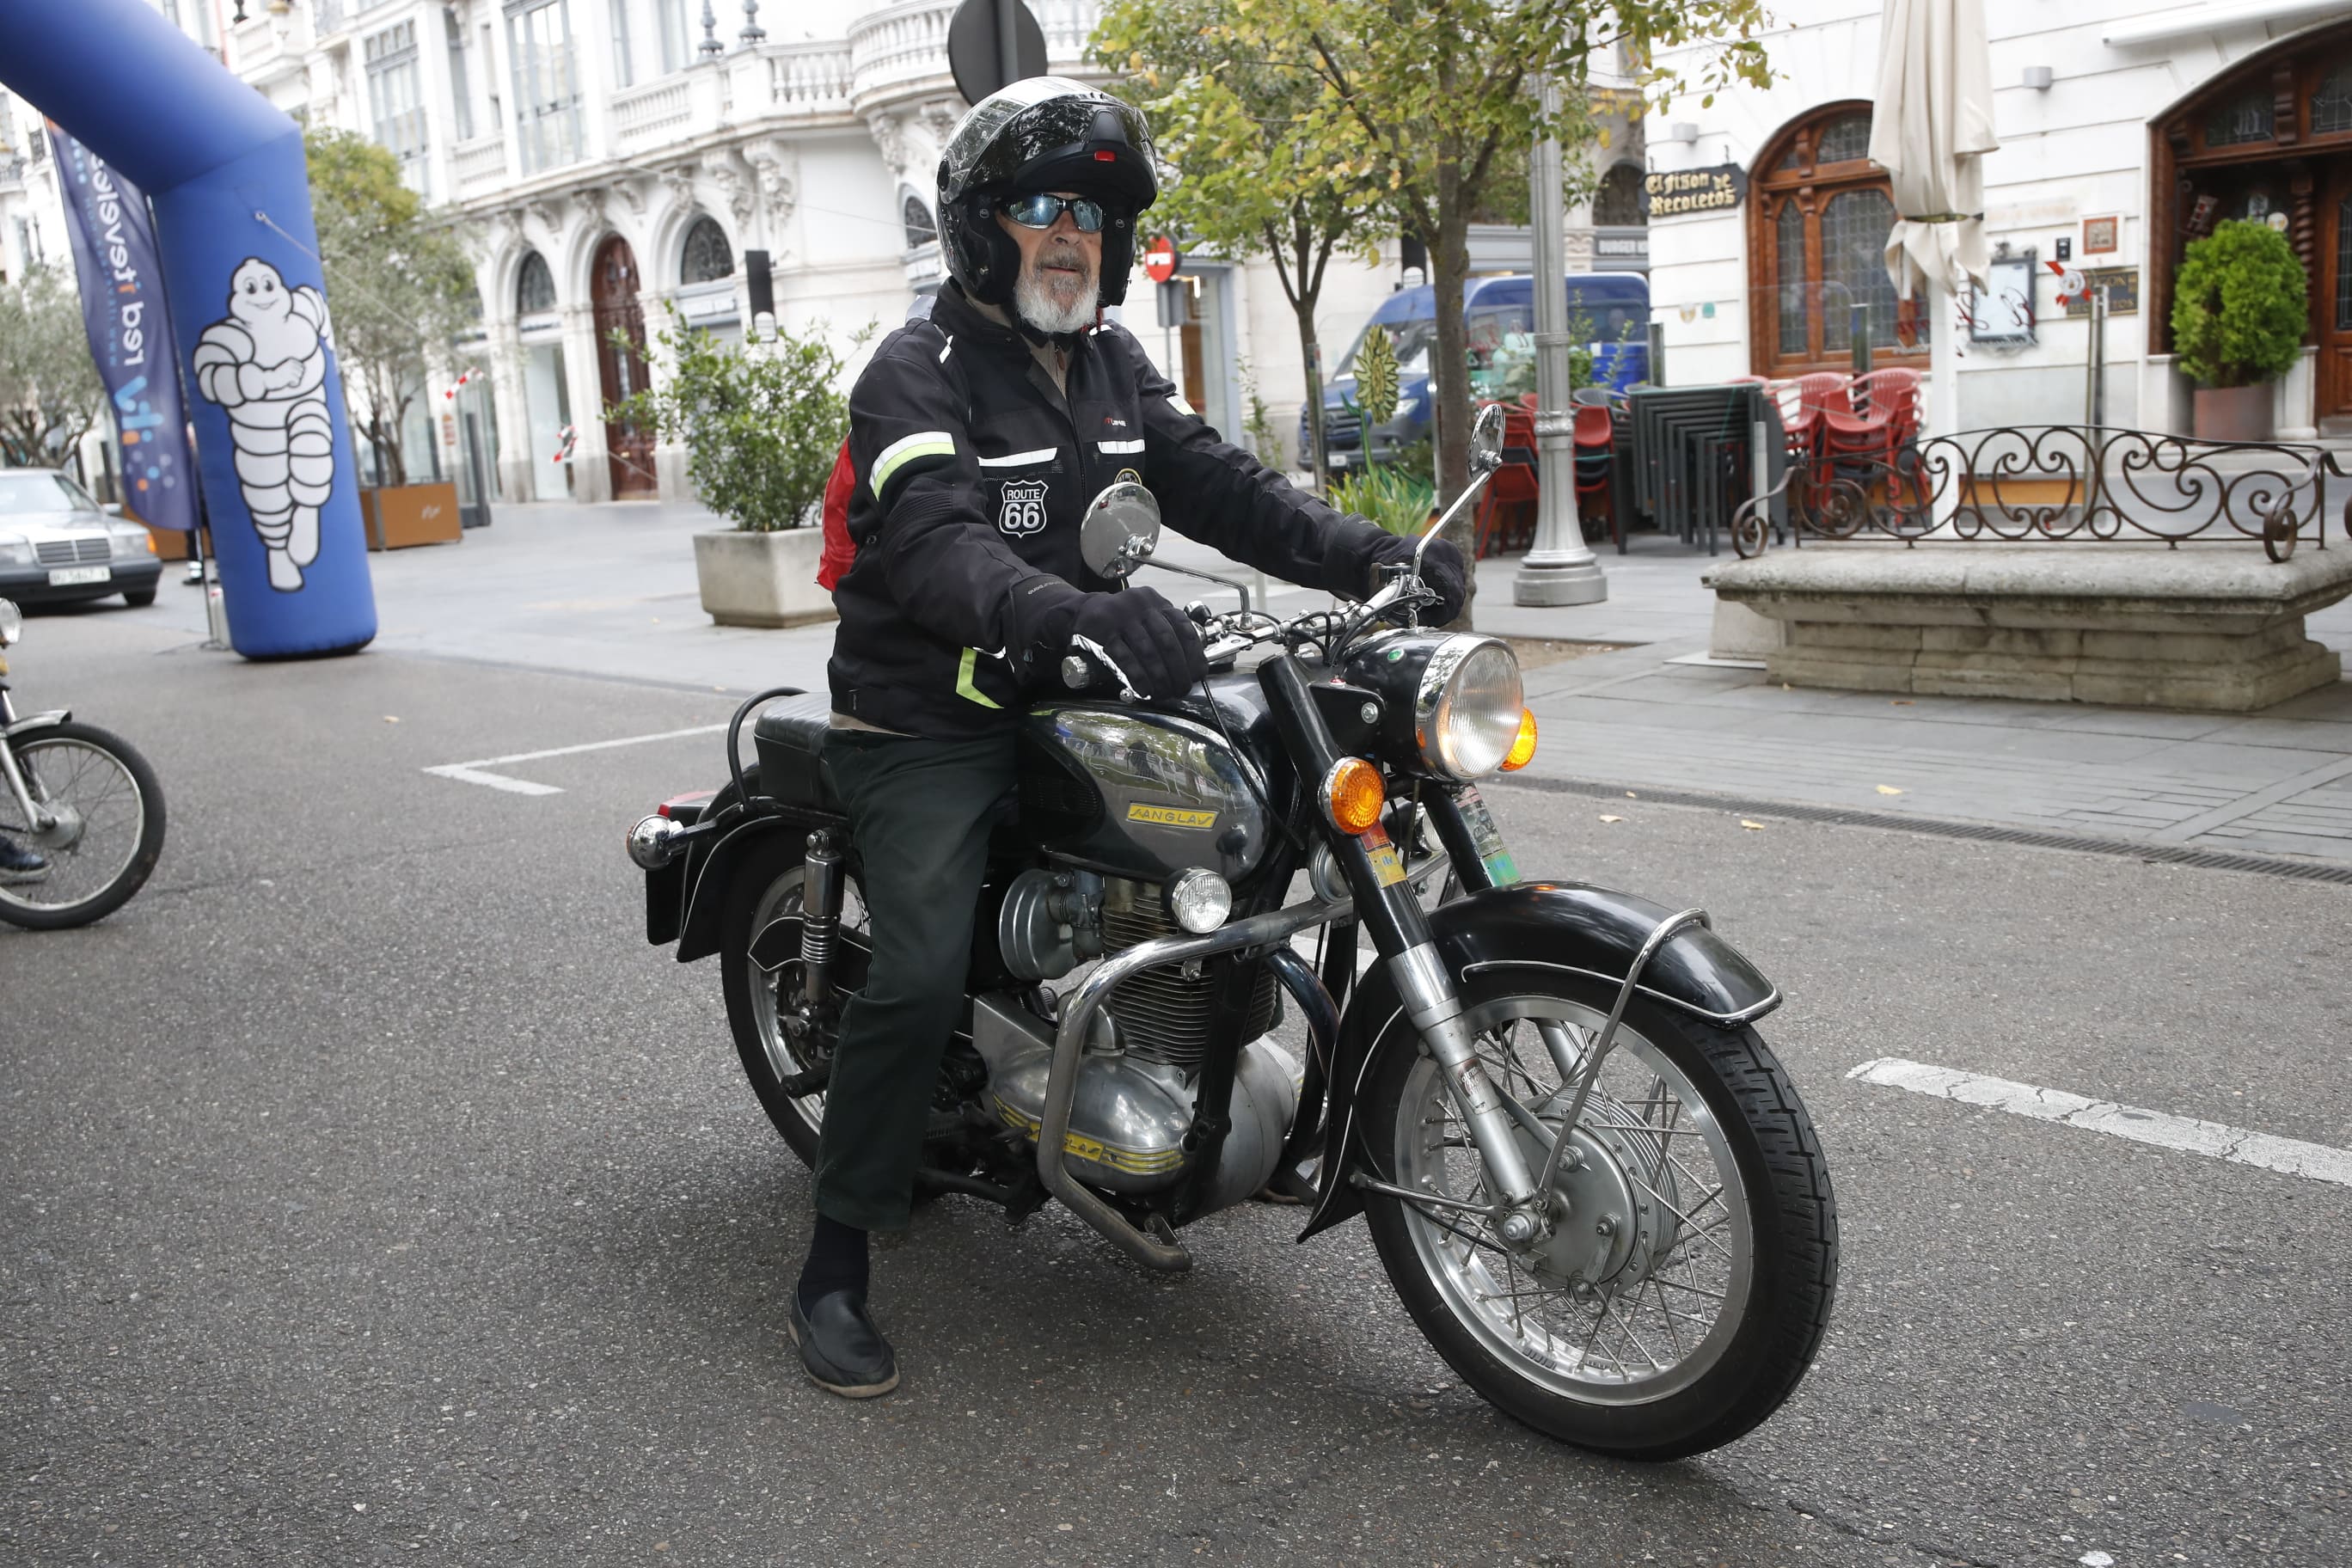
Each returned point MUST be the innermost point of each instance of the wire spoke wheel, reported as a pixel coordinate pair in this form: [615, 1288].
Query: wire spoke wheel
[1635, 1292]
[1683, 1277]
[97, 819]
[775, 997]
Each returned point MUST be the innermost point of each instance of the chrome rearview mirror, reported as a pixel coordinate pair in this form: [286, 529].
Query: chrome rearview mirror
[1487, 439]
[11, 624]
[1120, 531]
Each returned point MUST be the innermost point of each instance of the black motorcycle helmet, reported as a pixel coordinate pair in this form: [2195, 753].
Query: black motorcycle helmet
[1042, 133]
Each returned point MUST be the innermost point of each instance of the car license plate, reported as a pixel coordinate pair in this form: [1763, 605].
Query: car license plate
[67, 576]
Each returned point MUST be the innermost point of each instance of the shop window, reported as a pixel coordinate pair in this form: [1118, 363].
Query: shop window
[2344, 266]
[2331, 106]
[1845, 140]
[2241, 120]
[1617, 203]
[1818, 235]
[535, 288]
[709, 257]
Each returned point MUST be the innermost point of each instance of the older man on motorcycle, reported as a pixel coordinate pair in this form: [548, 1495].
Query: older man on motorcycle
[979, 436]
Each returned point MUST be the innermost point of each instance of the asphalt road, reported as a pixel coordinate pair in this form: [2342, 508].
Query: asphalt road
[370, 1191]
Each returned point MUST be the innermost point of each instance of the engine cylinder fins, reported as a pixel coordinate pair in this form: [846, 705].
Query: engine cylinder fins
[1163, 1013]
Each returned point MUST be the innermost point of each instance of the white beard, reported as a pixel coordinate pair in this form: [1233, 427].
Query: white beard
[1037, 308]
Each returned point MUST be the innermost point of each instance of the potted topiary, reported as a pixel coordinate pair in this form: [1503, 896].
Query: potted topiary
[762, 424]
[2238, 313]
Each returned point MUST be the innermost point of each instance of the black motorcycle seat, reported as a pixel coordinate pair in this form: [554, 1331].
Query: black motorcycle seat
[789, 736]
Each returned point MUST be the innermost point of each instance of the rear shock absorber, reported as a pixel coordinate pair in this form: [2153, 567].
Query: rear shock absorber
[820, 916]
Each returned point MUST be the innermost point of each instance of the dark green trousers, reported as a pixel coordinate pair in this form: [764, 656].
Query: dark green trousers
[919, 811]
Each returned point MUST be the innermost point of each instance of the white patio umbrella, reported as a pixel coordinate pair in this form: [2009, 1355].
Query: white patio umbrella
[1930, 131]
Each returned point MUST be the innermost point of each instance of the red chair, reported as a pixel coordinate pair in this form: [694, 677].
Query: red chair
[1515, 485]
[1885, 414]
[1596, 444]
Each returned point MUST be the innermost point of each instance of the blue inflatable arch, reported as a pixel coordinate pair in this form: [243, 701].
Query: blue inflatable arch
[232, 197]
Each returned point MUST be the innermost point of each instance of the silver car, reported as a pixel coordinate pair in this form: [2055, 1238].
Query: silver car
[57, 545]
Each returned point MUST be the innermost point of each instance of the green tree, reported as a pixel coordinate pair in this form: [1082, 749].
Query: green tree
[762, 422]
[1439, 95]
[49, 392]
[399, 287]
[2240, 308]
[1255, 175]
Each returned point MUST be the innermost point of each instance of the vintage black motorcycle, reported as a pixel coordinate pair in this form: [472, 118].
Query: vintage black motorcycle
[1590, 1181]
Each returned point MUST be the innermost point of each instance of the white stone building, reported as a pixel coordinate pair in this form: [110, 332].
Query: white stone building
[612, 160]
[2125, 129]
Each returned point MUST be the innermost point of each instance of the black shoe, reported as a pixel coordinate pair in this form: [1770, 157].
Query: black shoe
[841, 1348]
[20, 866]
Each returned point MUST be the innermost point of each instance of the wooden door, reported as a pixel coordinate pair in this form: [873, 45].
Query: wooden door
[2331, 311]
[613, 291]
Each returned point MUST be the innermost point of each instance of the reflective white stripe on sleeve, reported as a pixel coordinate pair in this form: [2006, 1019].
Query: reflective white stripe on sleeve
[1021, 460]
[1176, 401]
[905, 450]
[1120, 446]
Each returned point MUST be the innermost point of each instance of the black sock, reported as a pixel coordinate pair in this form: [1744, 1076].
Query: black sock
[837, 1261]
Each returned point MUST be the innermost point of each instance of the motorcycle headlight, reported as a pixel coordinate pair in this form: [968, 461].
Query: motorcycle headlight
[12, 622]
[1466, 714]
[1199, 901]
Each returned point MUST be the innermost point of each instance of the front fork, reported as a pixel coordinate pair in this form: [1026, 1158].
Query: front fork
[36, 818]
[1387, 908]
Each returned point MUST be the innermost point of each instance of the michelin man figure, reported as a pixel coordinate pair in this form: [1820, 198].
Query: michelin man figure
[266, 364]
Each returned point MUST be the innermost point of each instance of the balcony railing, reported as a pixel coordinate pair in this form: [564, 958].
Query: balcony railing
[810, 79]
[661, 110]
[479, 163]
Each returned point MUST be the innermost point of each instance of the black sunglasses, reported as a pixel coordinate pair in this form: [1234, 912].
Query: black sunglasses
[1040, 209]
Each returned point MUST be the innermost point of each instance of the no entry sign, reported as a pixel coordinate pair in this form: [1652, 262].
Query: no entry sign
[1162, 260]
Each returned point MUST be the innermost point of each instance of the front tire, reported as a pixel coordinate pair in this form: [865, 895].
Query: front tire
[109, 831]
[1687, 1278]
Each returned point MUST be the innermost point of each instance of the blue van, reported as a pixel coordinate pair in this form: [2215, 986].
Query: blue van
[1612, 308]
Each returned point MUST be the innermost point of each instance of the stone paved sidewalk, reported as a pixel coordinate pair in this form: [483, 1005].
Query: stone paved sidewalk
[609, 591]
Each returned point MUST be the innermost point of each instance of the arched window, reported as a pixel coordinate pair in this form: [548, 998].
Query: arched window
[535, 287]
[709, 257]
[1617, 203]
[920, 229]
[1818, 224]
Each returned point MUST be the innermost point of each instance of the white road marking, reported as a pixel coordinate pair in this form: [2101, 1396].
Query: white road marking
[2237, 1144]
[474, 772]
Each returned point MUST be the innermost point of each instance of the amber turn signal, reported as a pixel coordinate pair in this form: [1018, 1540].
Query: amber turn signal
[1353, 793]
[1523, 749]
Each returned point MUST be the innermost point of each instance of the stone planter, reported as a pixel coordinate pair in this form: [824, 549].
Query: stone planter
[2235, 413]
[2215, 628]
[761, 579]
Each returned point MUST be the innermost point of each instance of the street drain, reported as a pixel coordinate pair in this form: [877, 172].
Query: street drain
[1940, 827]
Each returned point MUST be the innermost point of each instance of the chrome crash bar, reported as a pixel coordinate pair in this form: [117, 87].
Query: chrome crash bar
[1161, 1250]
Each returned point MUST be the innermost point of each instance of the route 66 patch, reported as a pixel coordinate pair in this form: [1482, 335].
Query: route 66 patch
[1024, 506]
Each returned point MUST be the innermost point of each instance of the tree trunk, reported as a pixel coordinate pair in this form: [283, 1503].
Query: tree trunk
[1449, 257]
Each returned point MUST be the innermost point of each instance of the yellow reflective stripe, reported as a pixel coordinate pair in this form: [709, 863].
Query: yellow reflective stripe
[1176, 401]
[964, 688]
[905, 450]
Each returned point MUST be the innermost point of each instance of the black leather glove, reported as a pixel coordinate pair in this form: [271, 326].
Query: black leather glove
[1442, 572]
[1150, 643]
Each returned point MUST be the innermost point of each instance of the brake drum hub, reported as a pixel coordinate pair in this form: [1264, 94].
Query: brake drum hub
[1607, 1227]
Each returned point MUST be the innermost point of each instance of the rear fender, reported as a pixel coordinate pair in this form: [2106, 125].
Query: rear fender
[1560, 927]
[711, 874]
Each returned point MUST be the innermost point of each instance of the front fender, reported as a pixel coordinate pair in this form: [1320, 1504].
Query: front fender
[1565, 927]
[32, 721]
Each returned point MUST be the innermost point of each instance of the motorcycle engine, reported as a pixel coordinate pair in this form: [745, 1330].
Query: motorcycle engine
[1138, 1083]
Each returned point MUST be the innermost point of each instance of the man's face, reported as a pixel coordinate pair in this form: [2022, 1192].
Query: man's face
[1058, 263]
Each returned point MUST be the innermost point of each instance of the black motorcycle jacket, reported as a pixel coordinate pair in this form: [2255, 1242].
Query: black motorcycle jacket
[972, 476]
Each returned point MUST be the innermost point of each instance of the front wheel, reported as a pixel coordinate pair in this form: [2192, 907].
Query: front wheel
[1684, 1279]
[98, 821]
